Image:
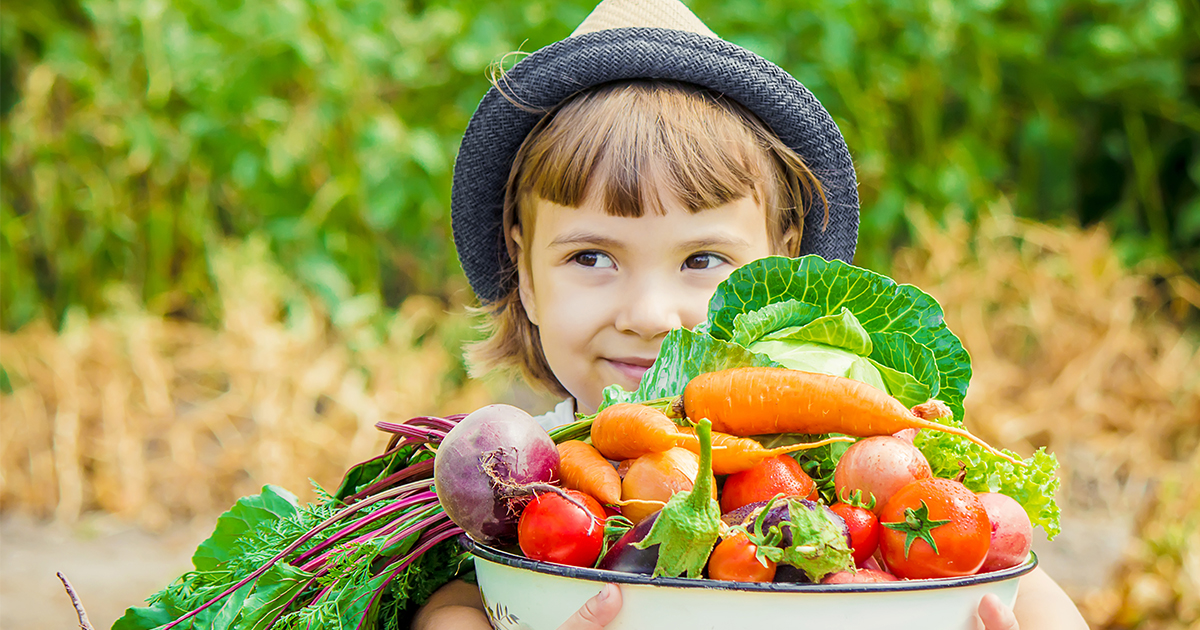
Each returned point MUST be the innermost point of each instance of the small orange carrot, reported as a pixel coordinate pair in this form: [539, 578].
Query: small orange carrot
[627, 430]
[733, 454]
[583, 468]
[761, 400]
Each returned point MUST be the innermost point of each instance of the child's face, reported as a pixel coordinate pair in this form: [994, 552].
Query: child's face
[604, 290]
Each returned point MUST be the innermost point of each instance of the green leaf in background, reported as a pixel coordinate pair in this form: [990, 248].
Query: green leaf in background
[684, 354]
[878, 303]
[273, 503]
[135, 138]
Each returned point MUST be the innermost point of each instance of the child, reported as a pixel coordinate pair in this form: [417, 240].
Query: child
[607, 187]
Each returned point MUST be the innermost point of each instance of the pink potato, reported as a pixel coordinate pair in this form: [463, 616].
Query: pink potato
[861, 575]
[1012, 534]
[878, 467]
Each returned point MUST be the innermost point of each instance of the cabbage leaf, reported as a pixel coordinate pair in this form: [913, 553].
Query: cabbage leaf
[879, 304]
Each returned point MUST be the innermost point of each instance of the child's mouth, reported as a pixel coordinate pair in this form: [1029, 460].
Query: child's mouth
[631, 368]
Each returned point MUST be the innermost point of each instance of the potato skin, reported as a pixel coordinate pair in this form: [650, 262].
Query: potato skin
[878, 467]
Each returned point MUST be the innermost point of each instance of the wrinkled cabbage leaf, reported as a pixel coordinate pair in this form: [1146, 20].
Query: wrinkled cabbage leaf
[878, 303]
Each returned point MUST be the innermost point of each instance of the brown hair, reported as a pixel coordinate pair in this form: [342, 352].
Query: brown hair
[637, 143]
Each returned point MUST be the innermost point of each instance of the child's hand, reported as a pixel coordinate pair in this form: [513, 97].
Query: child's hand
[598, 611]
[996, 616]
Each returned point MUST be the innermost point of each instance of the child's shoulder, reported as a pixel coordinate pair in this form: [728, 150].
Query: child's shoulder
[563, 413]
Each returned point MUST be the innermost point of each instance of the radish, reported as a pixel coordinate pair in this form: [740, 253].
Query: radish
[876, 467]
[485, 467]
[860, 575]
[1012, 533]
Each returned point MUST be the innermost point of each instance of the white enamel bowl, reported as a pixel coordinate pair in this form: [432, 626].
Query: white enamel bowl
[524, 594]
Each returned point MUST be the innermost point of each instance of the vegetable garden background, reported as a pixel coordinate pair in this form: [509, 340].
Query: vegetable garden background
[225, 250]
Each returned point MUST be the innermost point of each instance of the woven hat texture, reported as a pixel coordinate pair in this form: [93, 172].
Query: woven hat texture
[550, 75]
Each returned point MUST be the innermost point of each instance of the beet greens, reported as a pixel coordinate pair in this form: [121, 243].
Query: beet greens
[364, 556]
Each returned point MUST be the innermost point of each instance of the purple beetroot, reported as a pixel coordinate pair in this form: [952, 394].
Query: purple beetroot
[485, 467]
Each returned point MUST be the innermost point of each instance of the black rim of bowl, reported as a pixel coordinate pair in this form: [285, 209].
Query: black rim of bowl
[599, 575]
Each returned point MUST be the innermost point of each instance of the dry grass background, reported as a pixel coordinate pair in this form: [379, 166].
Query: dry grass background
[156, 420]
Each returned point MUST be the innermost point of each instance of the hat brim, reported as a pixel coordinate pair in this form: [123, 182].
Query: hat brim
[550, 75]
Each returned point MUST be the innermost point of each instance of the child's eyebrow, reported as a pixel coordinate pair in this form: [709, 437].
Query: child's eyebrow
[575, 239]
[714, 241]
[584, 238]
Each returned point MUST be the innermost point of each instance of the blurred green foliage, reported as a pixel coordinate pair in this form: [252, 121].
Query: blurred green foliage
[137, 135]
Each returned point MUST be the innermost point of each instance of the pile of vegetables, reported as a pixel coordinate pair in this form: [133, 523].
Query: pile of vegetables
[810, 430]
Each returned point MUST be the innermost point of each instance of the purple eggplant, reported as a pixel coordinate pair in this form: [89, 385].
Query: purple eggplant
[624, 557]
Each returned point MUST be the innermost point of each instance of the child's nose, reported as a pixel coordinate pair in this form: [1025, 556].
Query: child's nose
[649, 310]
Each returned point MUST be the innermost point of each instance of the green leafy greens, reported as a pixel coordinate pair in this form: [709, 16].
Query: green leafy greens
[351, 559]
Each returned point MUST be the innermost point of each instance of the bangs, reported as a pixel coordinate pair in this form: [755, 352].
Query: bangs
[639, 144]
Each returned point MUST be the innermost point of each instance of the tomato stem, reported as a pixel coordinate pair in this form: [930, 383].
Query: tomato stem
[917, 524]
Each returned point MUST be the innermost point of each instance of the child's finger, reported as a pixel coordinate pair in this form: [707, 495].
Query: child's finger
[597, 612]
[996, 616]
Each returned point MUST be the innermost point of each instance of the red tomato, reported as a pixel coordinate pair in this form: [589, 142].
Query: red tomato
[864, 529]
[733, 559]
[765, 480]
[553, 529]
[934, 528]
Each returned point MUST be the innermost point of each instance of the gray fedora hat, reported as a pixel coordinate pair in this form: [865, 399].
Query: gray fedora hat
[638, 39]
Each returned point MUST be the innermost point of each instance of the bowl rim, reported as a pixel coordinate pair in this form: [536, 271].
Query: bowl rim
[498, 556]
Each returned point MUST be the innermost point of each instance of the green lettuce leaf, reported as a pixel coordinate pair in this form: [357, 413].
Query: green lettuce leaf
[878, 302]
[1032, 485]
[817, 357]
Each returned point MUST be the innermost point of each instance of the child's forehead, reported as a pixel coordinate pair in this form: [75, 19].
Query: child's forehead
[595, 208]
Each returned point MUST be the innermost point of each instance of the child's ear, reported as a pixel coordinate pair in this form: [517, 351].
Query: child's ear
[524, 282]
[791, 242]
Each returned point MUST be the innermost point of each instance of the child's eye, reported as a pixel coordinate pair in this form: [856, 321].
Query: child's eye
[593, 259]
[703, 261]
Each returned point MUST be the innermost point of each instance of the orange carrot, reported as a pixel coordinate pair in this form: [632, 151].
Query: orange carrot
[733, 454]
[762, 400]
[583, 468]
[626, 430]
